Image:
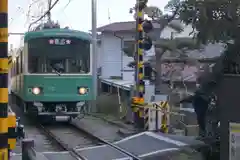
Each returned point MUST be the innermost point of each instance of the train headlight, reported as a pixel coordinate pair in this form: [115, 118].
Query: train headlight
[82, 90]
[36, 90]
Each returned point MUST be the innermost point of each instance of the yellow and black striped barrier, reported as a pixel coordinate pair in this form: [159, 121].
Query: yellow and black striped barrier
[165, 117]
[157, 114]
[139, 75]
[146, 118]
[12, 134]
[138, 111]
[3, 79]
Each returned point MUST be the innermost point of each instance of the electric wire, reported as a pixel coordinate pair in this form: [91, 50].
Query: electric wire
[54, 4]
[69, 1]
[63, 11]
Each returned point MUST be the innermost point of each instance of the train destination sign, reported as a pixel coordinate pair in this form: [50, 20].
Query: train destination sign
[60, 41]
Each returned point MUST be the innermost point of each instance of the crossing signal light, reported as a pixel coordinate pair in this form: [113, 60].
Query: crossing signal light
[147, 26]
[149, 72]
[147, 43]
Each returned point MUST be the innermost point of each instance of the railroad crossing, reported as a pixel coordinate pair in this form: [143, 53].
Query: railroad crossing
[127, 148]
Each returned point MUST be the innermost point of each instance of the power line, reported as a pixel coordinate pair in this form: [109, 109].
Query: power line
[54, 4]
[11, 20]
[63, 10]
[69, 1]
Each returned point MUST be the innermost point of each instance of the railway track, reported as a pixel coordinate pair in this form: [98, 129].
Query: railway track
[61, 137]
[69, 138]
[77, 138]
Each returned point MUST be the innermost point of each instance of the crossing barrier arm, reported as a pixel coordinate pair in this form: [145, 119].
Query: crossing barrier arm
[158, 108]
[156, 116]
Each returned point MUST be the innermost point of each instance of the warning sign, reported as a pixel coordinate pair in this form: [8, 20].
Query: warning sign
[234, 141]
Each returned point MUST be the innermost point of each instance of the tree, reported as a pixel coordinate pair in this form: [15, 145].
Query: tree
[162, 46]
[214, 21]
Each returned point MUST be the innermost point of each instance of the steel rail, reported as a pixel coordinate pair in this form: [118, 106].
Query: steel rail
[63, 146]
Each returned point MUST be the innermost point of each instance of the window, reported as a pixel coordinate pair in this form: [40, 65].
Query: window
[72, 55]
[21, 62]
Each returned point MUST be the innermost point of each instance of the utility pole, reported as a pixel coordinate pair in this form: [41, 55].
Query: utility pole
[139, 75]
[94, 54]
[143, 43]
[4, 80]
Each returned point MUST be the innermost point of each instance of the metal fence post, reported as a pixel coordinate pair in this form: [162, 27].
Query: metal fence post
[27, 144]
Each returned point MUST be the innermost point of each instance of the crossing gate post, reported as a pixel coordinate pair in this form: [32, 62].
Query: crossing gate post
[12, 134]
[165, 110]
[139, 82]
[137, 106]
[4, 79]
[158, 117]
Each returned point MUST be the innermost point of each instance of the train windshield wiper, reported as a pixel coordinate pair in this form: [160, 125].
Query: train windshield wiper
[57, 68]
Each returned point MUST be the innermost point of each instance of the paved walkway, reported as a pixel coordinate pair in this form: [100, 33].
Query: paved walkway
[147, 145]
[101, 128]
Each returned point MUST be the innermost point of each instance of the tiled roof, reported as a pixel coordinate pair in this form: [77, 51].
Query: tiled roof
[122, 26]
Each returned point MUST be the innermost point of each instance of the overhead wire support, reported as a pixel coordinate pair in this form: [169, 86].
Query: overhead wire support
[94, 52]
[46, 13]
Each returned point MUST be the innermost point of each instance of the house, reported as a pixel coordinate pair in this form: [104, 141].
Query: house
[113, 61]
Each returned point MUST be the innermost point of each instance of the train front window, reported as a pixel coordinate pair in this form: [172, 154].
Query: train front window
[72, 55]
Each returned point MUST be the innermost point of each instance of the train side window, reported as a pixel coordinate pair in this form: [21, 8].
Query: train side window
[21, 63]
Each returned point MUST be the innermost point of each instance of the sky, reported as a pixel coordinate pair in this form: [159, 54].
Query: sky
[76, 15]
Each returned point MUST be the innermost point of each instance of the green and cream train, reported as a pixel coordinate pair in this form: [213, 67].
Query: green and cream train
[51, 76]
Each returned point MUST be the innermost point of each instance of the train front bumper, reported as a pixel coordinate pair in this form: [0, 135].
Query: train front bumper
[60, 109]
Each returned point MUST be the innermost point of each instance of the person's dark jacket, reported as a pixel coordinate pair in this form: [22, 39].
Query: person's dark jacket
[200, 102]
